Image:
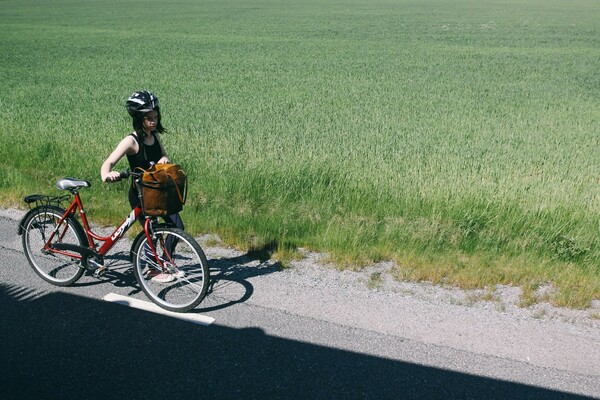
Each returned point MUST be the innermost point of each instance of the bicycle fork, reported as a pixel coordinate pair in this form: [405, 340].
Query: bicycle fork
[150, 237]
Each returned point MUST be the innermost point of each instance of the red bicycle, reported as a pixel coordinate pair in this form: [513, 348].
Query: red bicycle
[169, 265]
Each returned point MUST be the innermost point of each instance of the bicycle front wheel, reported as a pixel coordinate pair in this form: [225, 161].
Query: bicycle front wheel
[53, 267]
[179, 280]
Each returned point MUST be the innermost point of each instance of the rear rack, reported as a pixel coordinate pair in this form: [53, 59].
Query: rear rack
[43, 200]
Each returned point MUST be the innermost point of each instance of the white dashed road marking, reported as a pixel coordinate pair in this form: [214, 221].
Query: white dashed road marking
[147, 306]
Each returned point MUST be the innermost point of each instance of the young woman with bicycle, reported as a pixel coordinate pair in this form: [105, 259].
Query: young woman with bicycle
[58, 241]
[143, 148]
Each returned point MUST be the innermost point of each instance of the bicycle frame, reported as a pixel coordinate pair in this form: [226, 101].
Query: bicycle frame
[81, 253]
[108, 241]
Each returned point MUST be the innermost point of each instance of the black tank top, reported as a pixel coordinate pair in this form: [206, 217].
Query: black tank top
[142, 159]
[145, 155]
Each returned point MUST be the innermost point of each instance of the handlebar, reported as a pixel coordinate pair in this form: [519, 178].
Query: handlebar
[126, 174]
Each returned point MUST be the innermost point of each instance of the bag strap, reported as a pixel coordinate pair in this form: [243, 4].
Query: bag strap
[183, 197]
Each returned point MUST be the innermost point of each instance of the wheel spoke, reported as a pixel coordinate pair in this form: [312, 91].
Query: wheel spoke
[53, 267]
[178, 279]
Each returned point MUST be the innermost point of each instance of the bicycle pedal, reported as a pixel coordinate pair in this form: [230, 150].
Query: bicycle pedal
[101, 271]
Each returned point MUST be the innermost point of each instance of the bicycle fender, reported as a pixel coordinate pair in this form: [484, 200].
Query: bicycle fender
[26, 217]
[20, 228]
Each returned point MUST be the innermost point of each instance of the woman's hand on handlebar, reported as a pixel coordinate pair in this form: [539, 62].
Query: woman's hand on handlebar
[112, 176]
[115, 176]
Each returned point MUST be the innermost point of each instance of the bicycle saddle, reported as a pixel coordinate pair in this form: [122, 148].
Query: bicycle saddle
[70, 183]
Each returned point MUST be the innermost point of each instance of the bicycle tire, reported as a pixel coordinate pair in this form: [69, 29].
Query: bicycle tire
[52, 267]
[184, 283]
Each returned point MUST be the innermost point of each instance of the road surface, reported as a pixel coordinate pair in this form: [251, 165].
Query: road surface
[306, 332]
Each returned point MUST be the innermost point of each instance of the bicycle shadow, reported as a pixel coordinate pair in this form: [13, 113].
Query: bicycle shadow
[229, 283]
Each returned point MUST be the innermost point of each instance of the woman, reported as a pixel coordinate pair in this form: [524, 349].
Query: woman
[142, 147]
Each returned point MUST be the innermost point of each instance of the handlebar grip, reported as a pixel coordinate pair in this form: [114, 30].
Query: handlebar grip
[122, 175]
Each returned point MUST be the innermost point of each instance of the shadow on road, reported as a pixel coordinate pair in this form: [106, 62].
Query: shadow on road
[68, 347]
[229, 283]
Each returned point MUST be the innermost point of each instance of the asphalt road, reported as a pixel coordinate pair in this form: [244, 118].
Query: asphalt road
[68, 343]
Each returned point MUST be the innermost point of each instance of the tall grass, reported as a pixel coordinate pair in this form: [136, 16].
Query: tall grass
[455, 137]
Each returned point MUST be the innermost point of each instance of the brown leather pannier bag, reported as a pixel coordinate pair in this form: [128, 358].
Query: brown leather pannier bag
[164, 189]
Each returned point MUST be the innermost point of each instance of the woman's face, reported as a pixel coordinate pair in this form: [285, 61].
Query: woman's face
[150, 121]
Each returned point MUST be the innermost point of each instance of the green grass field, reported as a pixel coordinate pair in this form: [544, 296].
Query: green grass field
[457, 138]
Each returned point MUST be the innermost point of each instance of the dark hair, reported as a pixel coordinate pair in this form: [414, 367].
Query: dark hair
[138, 122]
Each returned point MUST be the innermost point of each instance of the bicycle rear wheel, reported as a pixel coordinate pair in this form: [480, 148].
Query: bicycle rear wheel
[51, 266]
[182, 282]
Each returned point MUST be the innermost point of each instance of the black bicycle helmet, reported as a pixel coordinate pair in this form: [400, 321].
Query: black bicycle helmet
[141, 102]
